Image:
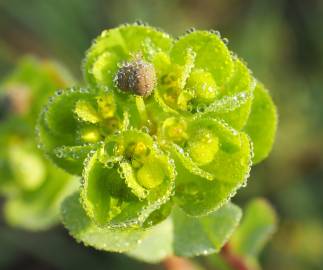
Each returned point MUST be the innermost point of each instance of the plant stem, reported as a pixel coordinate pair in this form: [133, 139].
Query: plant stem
[177, 263]
[234, 261]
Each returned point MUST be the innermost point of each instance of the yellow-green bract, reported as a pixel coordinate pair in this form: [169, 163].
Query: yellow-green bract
[188, 143]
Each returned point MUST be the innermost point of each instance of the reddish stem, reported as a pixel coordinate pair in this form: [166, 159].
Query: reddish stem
[177, 263]
[234, 261]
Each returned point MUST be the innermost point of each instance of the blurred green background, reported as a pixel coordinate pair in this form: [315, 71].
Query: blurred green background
[281, 40]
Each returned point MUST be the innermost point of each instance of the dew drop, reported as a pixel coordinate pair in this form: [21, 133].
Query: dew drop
[145, 129]
[59, 154]
[216, 32]
[226, 41]
[139, 22]
[190, 30]
[104, 33]
[110, 165]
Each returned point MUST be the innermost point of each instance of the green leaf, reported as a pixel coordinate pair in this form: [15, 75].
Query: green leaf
[77, 120]
[105, 194]
[240, 86]
[262, 123]
[258, 225]
[211, 54]
[157, 245]
[230, 168]
[58, 133]
[188, 163]
[131, 180]
[125, 192]
[59, 113]
[74, 153]
[86, 112]
[229, 138]
[204, 235]
[159, 215]
[117, 45]
[83, 229]
[181, 235]
[241, 80]
[225, 106]
[69, 158]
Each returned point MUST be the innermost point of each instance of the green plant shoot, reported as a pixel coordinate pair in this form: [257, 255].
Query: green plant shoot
[163, 134]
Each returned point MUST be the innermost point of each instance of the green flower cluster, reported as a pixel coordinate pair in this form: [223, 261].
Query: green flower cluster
[33, 187]
[161, 123]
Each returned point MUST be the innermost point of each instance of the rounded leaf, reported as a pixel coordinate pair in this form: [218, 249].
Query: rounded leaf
[211, 54]
[182, 235]
[199, 195]
[126, 181]
[76, 121]
[262, 123]
[83, 229]
[240, 86]
[257, 226]
[118, 45]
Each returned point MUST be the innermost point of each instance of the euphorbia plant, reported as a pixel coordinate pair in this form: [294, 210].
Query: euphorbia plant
[163, 134]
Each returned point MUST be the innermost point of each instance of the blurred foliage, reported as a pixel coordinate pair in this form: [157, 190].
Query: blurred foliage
[255, 230]
[33, 187]
[282, 41]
